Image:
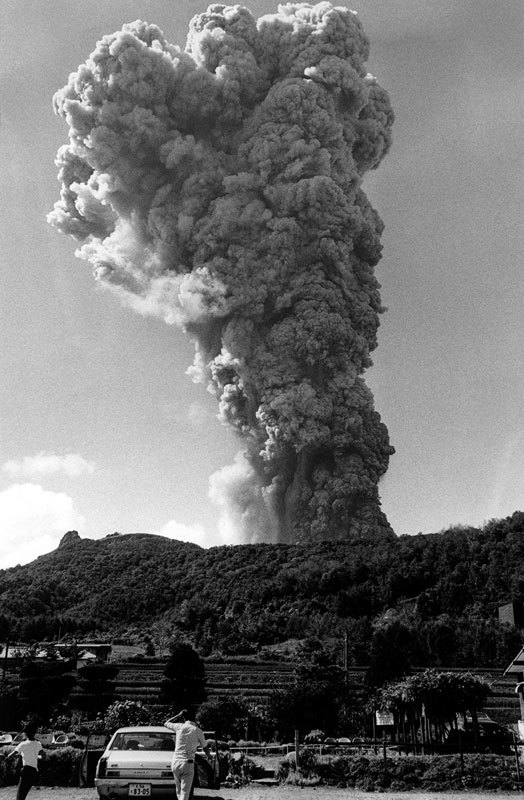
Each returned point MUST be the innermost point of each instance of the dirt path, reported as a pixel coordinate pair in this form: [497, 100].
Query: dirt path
[254, 792]
[329, 793]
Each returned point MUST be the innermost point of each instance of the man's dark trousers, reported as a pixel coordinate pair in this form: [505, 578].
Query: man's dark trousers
[28, 778]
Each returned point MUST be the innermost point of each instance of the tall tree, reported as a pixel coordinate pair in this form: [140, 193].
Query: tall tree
[97, 687]
[435, 699]
[185, 679]
[45, 686]
[312, 701]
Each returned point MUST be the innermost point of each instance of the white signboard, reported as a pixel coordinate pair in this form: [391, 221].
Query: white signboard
[384, 718]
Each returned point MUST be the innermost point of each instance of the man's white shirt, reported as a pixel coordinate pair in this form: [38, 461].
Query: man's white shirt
[188, 738]
[29, 751]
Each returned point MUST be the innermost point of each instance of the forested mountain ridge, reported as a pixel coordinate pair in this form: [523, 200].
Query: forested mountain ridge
[433, 596]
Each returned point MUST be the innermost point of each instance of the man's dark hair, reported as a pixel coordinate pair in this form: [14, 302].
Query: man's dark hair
[30, 730]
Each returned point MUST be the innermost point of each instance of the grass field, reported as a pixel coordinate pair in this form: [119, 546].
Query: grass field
[254, 792]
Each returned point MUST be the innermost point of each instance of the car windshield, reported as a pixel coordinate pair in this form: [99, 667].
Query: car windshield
[140, 740]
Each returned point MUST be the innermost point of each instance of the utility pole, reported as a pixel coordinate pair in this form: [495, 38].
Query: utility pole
[297, 748]
[346, 658]
[5, 658]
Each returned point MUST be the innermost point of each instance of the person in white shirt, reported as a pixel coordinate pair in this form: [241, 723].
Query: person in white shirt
[30, 749]
[188, 739]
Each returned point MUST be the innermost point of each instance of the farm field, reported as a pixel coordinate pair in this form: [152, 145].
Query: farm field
[254, 792]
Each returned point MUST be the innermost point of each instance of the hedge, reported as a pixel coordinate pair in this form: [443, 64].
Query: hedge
[424, 773]
[58, 768]
[421, 773]
[61, 767]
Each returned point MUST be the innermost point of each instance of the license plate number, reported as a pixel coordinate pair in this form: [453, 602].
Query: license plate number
[139, 790]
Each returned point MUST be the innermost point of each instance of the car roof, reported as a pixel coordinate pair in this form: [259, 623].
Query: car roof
[151, 729]
[144, 729]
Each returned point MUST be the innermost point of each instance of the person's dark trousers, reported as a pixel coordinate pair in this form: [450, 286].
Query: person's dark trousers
[28, 778]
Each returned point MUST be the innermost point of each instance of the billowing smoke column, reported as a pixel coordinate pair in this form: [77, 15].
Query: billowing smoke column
[220, 187]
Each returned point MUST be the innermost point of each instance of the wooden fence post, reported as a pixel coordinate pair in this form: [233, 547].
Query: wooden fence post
[516, 748]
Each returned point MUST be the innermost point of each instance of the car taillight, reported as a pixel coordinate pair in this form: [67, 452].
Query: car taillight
[101, 768]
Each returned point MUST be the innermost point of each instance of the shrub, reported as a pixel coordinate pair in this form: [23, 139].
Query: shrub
[228, 716]
[58, 768]
[308, 763]
[315, 736]
[423, 773]
[78, 744]
[9, 768]
[126, 712]
[240, 769]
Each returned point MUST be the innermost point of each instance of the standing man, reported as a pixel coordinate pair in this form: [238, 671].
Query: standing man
[189, 738]
[30, 750]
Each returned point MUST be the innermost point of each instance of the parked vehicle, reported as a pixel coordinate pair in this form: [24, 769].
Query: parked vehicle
[137, 763]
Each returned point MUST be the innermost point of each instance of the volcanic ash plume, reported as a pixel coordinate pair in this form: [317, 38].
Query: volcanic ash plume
[220, 187]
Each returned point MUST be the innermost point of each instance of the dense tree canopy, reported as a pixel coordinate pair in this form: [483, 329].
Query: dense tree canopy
[122, 713]
[227, 716]
[433, 597]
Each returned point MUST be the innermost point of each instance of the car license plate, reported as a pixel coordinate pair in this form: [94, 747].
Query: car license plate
[139, 790]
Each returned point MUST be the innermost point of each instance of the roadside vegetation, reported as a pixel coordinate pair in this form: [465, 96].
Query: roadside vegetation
[423, 706]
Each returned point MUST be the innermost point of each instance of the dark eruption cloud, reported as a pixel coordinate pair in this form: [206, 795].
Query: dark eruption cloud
[220, 187]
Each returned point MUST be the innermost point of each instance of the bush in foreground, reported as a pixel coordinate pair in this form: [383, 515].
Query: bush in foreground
[423, 773]
[58, 767]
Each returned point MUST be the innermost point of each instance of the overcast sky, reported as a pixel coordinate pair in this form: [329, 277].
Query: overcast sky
[101, 430]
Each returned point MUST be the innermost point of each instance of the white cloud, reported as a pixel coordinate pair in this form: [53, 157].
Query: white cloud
[245, 514]
[32, 522]
[189, 533]
[72, 465]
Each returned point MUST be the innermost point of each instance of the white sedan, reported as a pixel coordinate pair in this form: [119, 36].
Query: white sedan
[137, 763]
